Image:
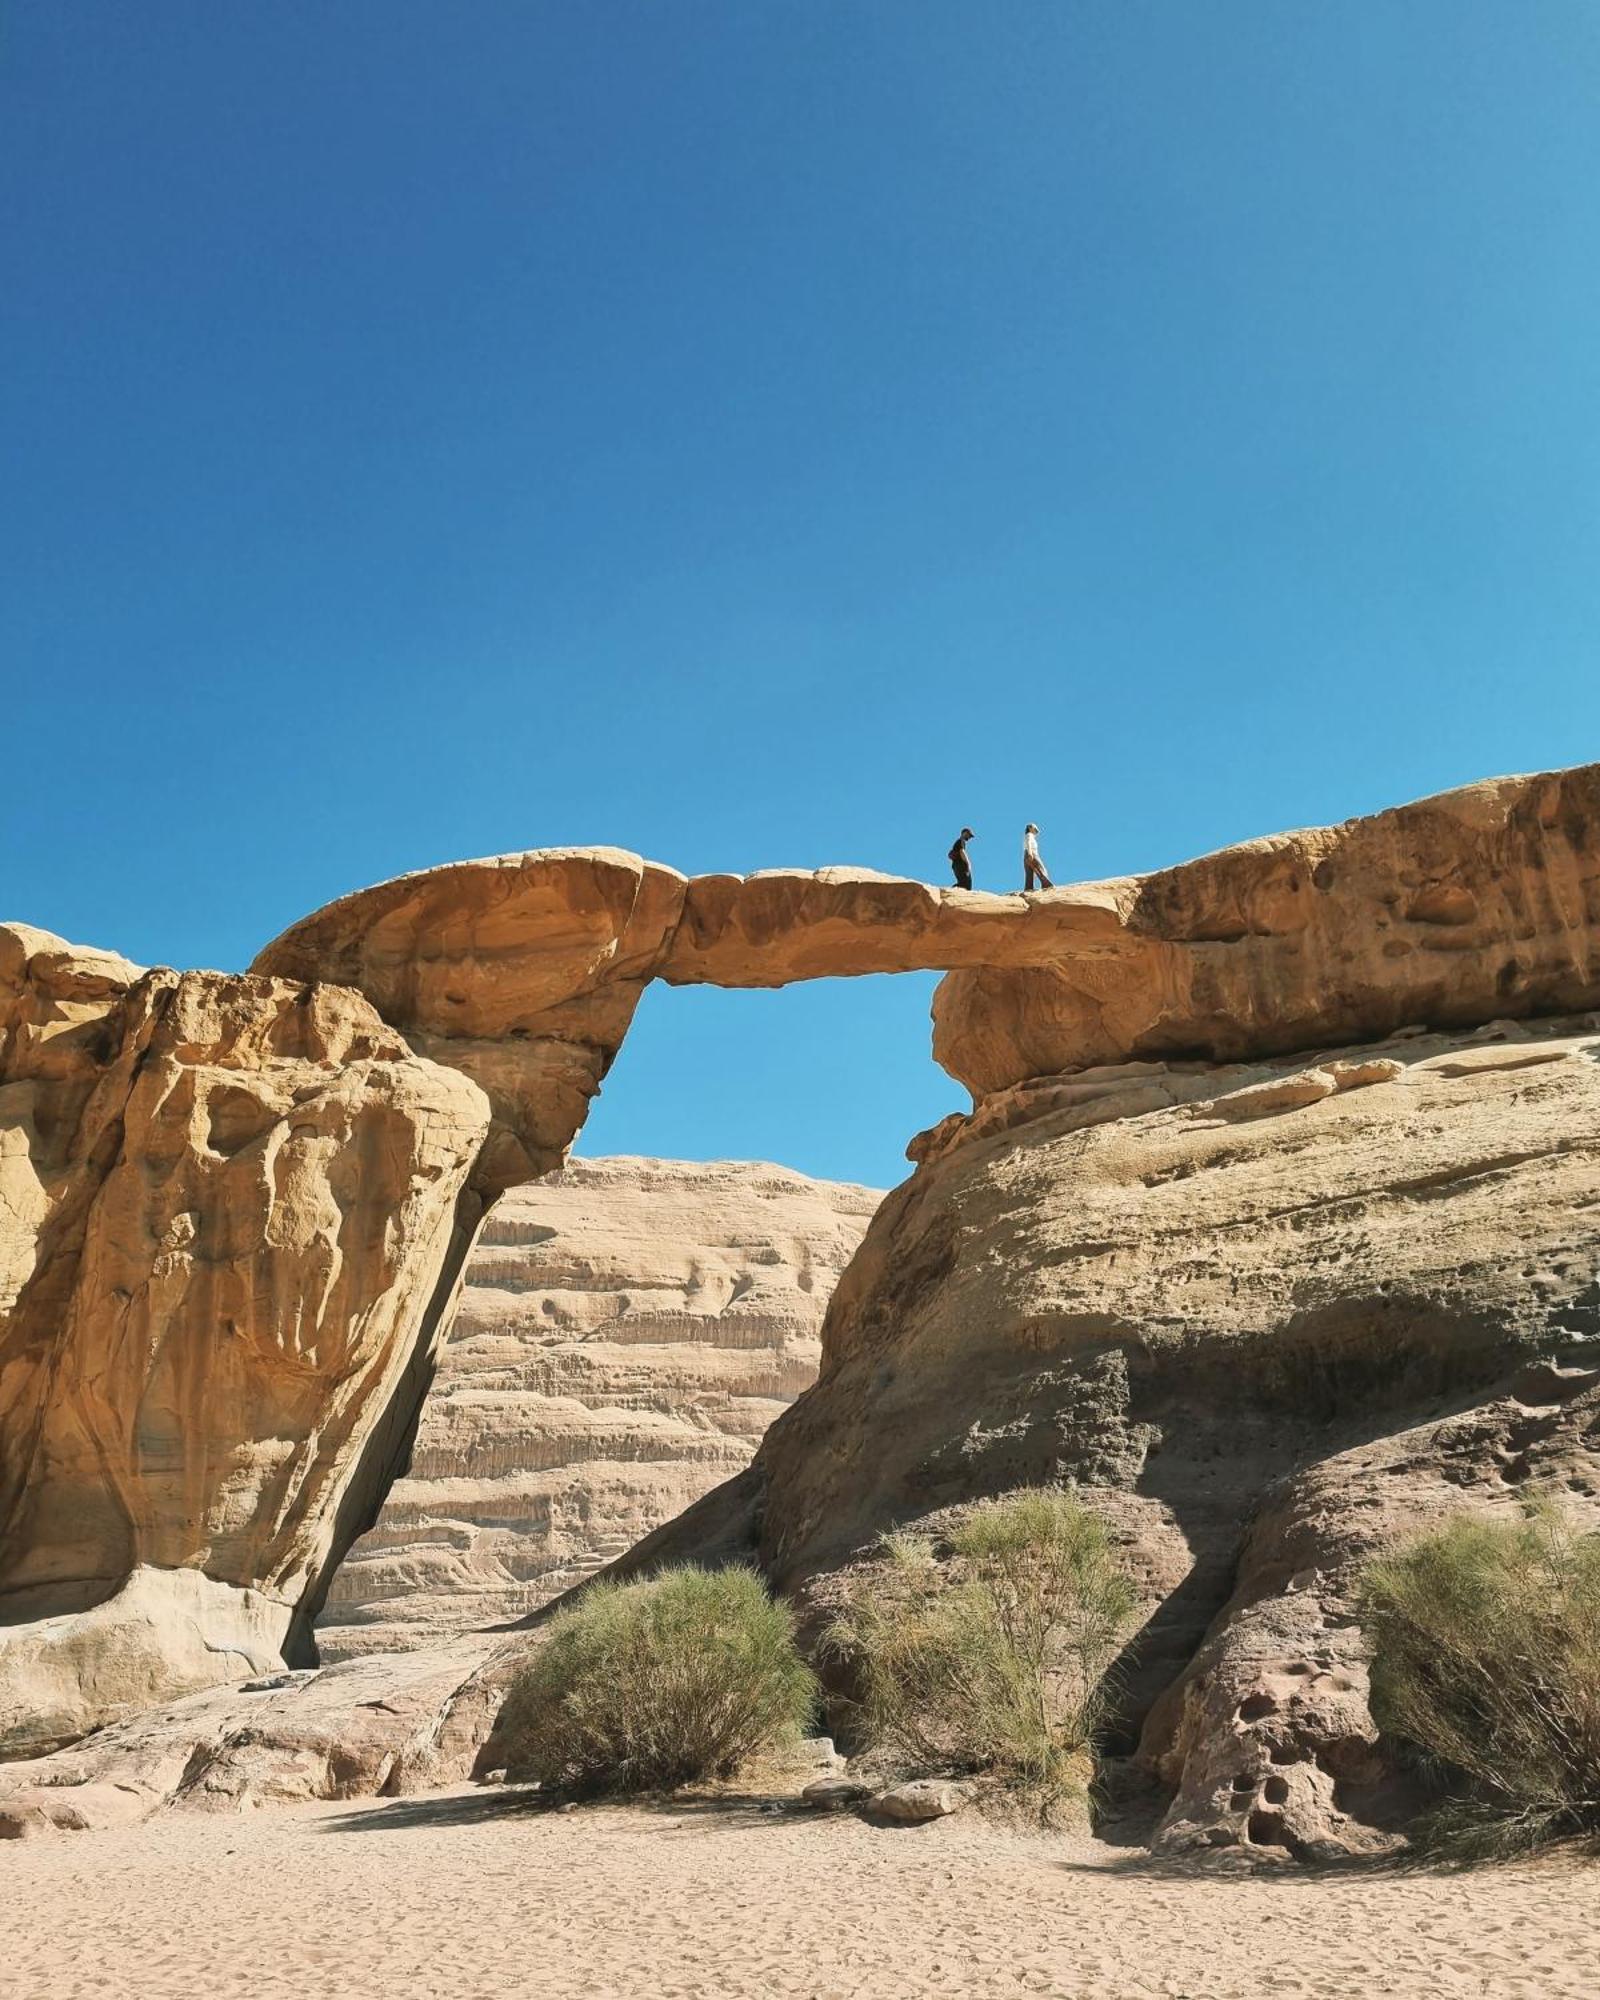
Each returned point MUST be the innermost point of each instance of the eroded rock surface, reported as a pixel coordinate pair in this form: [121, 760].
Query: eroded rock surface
[627, 1331]
[387, 1726]
[523, 970]
[1266, 1319]
[234, 1210]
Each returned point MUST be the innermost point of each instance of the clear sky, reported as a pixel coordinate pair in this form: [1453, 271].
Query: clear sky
[771, 432]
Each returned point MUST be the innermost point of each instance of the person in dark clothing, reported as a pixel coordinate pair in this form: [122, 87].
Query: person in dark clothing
[959, 861]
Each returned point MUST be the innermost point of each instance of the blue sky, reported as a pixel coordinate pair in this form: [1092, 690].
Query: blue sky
[771, 434]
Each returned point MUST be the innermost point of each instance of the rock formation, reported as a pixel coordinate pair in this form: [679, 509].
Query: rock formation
[232, 1212]
[525, 970]
[380, 1726]
[627, 1331]
[1166, 1256]
[1264, 1318]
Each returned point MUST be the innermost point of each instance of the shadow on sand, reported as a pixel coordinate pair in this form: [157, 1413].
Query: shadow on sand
[708, 1812]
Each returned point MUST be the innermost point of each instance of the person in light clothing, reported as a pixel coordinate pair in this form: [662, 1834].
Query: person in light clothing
[1033, 869]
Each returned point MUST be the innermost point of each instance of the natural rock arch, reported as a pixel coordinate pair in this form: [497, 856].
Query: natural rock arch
[235, 1210]
[524, 970]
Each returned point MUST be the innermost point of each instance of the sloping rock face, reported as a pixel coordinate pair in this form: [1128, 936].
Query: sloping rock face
[1265, 1318]
[234, 1211]
[628, 1330]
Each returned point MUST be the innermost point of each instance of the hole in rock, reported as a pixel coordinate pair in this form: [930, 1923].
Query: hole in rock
[607, 1367]
[1254, 1706]
[829, 1076]
[235, 1118]
[1266, 1829]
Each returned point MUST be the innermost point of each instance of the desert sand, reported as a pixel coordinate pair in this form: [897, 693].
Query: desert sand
[468, 1893]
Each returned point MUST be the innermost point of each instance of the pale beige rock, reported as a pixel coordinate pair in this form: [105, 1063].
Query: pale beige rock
[917, 1802]
[236, 1210]
[627, 1331]
[1261, 1346]
[392, 1724]
[161, 1634]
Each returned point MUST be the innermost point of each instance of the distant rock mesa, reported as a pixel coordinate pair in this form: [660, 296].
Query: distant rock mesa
[627, 1331]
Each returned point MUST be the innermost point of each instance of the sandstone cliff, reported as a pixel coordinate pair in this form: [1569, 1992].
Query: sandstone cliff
[231, 1215]
[627, 1331]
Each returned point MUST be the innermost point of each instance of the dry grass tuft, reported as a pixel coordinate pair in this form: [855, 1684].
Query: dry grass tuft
[1485, 1644]
[995, 1659]
[642, 1687]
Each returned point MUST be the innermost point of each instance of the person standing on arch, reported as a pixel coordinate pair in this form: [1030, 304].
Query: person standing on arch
[1032, 866]
[958, 858]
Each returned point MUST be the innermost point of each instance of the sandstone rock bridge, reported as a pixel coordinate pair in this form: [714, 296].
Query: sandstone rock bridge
[234, 1210]
[524, 970]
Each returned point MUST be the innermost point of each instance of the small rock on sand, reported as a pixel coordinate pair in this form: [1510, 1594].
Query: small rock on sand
[922, 1799]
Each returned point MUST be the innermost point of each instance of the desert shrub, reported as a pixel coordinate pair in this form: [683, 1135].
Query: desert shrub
[647, 1686]
[994, 1659]
[1485, 1646]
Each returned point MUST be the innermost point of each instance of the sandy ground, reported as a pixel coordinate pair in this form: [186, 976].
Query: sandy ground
[428, 1899]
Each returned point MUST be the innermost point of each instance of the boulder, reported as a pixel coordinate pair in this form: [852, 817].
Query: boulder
[918, 1802]
[391, 1724]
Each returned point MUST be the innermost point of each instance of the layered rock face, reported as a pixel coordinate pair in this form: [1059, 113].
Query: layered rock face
[1265, 1319]
[233, 1212]
[627, 1331]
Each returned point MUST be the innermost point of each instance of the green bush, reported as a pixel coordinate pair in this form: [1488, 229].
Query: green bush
[1485, 1645]
[647, 1686]
[994, 1659]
